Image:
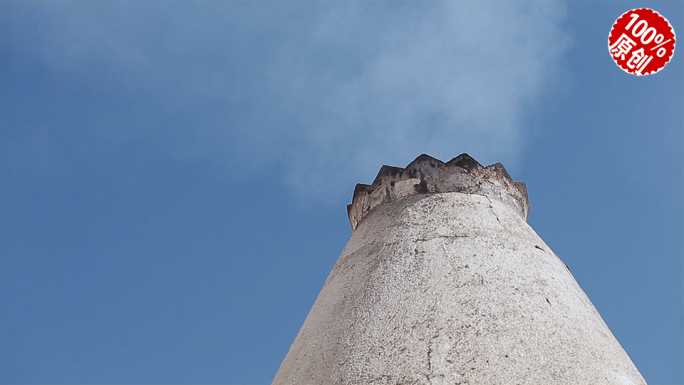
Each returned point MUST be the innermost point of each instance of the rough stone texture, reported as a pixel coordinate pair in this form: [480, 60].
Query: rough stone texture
[452, 288]
[429, 175]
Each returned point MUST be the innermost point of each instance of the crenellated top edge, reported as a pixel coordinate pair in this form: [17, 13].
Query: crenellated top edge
[428, 175]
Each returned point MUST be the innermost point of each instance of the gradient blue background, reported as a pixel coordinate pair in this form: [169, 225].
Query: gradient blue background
[131, 256]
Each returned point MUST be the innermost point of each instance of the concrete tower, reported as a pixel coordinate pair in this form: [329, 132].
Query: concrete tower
[444, 282]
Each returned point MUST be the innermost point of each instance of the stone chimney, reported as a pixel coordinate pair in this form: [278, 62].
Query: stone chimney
[444, 282]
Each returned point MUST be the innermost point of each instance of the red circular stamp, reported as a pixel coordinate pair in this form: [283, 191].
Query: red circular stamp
[641, 41]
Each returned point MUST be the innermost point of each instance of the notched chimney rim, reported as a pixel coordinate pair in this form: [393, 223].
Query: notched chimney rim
[427, 175]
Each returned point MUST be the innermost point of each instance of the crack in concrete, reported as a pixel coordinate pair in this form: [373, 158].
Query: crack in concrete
[429, 357]
[443, 236]
[497, 217]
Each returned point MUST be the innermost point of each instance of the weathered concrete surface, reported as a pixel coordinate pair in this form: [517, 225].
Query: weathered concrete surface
[452, 288]
[427, 175]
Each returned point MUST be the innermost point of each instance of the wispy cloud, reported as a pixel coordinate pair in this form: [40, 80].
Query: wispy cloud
[326, 92]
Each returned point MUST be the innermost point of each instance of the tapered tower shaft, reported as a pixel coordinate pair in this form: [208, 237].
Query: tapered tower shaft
[444, 282]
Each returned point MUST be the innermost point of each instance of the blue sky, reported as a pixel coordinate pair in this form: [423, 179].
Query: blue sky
[175, 174]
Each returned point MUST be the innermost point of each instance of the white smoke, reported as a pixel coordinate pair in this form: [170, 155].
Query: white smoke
[325, 92]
